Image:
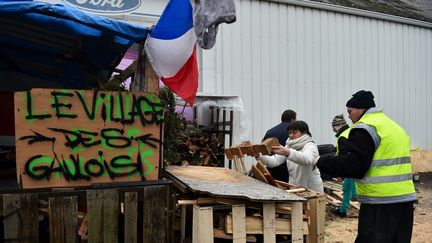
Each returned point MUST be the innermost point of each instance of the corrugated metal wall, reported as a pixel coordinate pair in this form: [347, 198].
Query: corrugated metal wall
[279, 56]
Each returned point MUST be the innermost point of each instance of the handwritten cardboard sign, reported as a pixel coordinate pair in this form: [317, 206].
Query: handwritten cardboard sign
[69, 138]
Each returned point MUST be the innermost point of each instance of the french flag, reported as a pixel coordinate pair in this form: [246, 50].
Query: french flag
[171, 50]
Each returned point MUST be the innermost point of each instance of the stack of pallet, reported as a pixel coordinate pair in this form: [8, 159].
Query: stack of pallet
[228, 205]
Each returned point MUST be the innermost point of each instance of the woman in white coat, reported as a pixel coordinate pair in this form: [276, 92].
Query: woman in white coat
[299, 153]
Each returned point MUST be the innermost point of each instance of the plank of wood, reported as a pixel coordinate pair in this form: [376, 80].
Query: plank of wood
[247, 149]
[296, 190]
[333, 201]
[151, 79]
[223, 182]
[296, 222]
[254, 225]
[110, 215]
[183, 224]
[239, 227]
[63, 219]
[316, 212]
[202, 226]
[339, 195]
[95, 216]
[258, 173]
[82, 231]
[155, 220]
[332, 186]
[269, 222]
[20, 212]
[131, 217]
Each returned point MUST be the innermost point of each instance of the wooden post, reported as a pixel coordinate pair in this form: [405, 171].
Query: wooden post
[95, 216]
[155, 219]
[20, 218]
[183, 224]
[63, 219]
[317, 208]
[151, 79]
[202, 227]
[130, 217]
[269, 222]
[110, 215]
[145, 78]
[239, 223]
[297, 222]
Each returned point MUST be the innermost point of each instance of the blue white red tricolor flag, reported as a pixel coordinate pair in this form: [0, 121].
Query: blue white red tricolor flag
[171, 50]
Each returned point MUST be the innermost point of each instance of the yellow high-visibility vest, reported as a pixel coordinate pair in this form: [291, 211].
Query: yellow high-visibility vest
[389, 178]
[344, 134]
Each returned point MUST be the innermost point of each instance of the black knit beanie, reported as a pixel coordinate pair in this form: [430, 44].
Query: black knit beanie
[362, 99]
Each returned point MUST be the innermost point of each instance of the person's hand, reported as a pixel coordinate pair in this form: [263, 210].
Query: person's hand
[281, 150]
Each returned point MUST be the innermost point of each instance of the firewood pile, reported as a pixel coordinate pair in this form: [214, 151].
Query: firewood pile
[199, 148]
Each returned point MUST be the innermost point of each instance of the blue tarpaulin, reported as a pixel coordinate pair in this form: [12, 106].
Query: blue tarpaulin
[58, 45]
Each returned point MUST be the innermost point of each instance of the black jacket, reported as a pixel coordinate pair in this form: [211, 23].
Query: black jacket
[356, 158]
[279, 131]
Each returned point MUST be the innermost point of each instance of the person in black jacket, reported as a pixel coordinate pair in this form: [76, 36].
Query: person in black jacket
[280, 132]
[378, 155]
[341, 128]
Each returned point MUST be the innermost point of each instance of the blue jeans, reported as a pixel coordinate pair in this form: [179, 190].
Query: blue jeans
[349, 191]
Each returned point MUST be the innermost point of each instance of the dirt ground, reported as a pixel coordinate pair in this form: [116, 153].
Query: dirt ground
[344, 230]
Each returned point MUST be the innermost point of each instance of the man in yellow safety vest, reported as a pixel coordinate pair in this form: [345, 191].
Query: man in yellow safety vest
[378, 157]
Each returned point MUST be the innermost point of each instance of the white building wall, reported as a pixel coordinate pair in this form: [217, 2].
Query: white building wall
[279, 55]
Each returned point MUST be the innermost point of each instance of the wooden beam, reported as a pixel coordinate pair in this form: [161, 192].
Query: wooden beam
[239, 227]
[269, 222]
[131, 217]
[254, 225]
[129, 71]
[145, 79]
[316, 211]
[151, 80]
[20, 218]
[110, 211]
[202, 228]
[183, 224]
[296, 222]
[155, 219]
[63, 219]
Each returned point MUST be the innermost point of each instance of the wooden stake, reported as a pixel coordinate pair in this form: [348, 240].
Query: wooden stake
[202, 228]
